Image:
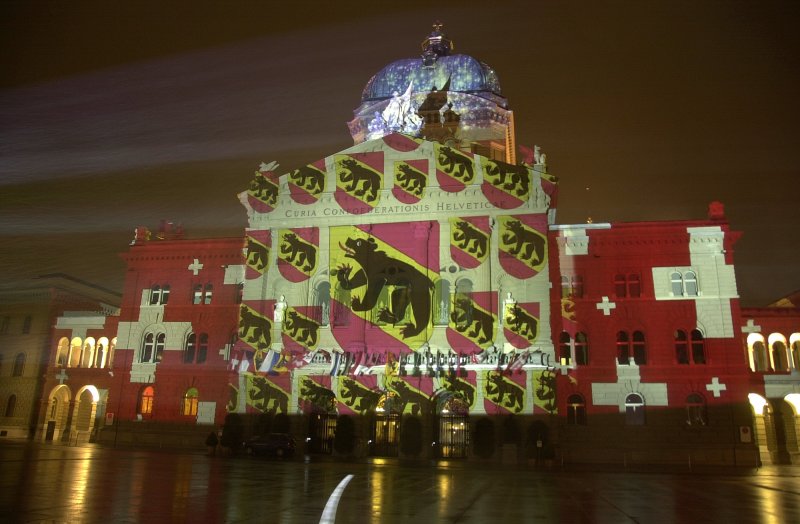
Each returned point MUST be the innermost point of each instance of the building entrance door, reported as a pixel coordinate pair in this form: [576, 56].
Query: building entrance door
[385, 435]
[453, 435]
[321, 430]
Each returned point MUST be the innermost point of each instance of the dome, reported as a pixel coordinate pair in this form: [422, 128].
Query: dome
[464, 73]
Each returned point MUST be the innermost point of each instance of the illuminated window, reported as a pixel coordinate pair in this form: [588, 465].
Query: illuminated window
[639, 348]
[623, 348]
[780, 360]
[564, 348]
[581, 349]
[11, 405]
[796, 354]
[576, 410]
[146, 401]
[696, 410]
[681, 347]
[19, 365]
[62, 353]
[698, 347]
[634, 410]
[759, 351]
[190, 402]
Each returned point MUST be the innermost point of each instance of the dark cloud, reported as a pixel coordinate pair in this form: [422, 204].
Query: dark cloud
[114, 115]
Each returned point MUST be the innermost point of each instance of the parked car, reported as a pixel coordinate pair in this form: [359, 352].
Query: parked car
[275, 444]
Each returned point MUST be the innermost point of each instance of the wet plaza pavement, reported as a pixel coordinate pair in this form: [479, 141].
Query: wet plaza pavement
[52, 483]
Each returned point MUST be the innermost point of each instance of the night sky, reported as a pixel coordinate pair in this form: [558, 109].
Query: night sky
[119, 114]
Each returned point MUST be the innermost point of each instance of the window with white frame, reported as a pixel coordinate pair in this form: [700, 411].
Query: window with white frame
[684, 284]
[779, 355]
[153, 347]
[159, 294]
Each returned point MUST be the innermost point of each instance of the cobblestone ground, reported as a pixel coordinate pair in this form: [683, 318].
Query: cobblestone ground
[52, 483]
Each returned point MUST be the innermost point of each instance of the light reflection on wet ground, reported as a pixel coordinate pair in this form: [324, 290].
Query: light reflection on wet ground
[89, 484]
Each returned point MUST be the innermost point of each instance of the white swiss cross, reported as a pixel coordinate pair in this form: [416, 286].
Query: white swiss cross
[62, 376]
[716, 387]
[751, 327]
[606, 306]
[195, 267]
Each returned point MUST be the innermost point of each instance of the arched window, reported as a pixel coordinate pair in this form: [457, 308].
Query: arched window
[11, 405]
[639, 348]
[197, 292]
[196, 349]
[322, 299]
[759, 356]
[698, 347]
[101, 360]
[780, 360]
[202, 348]
[111, 346]
[696, 410]
[634, 410]
[442, 302]
[147, 347]
[190, 402]
[676, 281]
[681, 347]
[796, 354]
[146, 400]
[74, 358]
[164, 294]
[463, 299]
[26, 325]
[190, 349]
[576, 410]
[160, 342]
[87, 355]
[564, 348]
[623, 348]
[208, 291]
[581, 349]
[690, 284]
[62, 353]
[19, 365]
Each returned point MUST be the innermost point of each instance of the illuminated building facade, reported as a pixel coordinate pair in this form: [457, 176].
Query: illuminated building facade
[413, 295]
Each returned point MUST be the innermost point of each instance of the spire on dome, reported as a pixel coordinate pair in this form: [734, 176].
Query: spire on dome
[435, 45]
